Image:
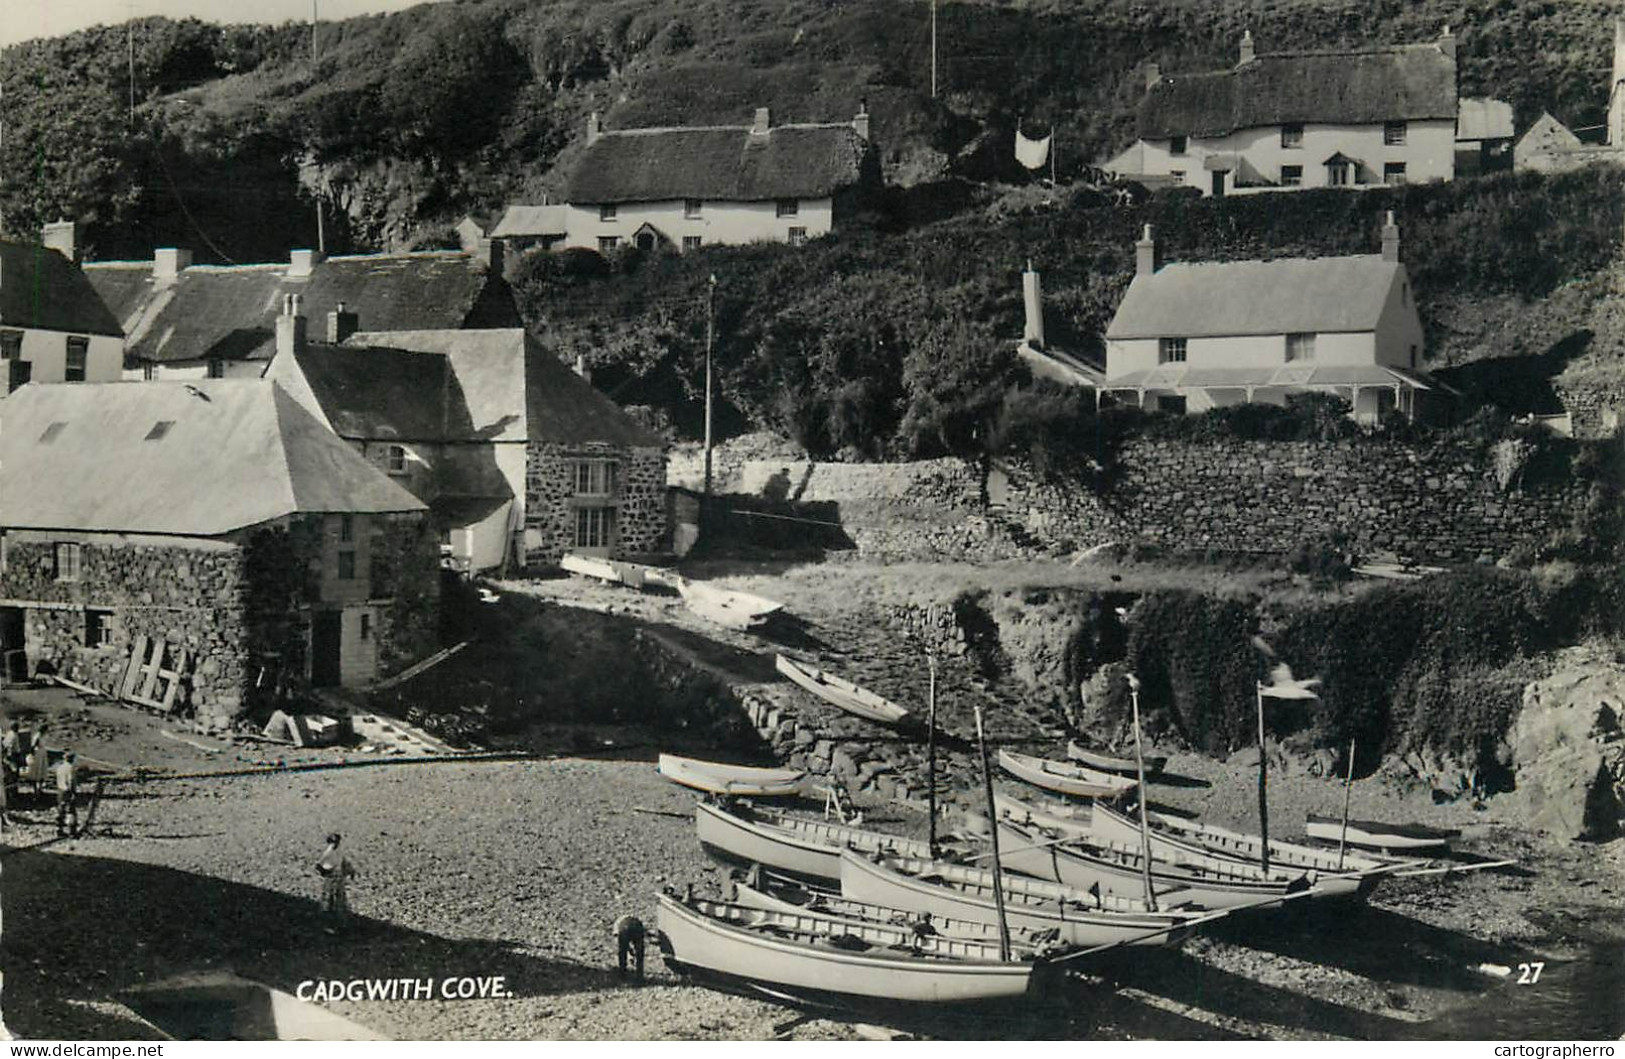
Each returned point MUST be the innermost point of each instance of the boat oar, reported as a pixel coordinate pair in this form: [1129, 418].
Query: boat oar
[1450, 869]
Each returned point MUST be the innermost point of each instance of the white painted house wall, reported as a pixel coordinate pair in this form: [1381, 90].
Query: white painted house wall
[47, 351]
[717, 223]
[1429, 153]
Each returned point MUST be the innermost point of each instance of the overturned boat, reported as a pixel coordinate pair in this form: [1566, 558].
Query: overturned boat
[1064, 778]
[842, 693]
[740, 781]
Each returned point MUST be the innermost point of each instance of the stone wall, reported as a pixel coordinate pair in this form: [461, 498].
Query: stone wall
[1595, 400]
[406, 571]
[550, 504]
[191, 595]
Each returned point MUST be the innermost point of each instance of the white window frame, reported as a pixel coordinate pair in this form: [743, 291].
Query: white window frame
[595, 477]
[78, 349]
[1394, 133]
[1300, 346]
[68, 562]
[1338, 175]
[1393, 174]
[608, 212]
[787, 208]
[692, 208]
[796, 235]
[606, 243]
[102, 628]
[1295, 179]
[1292, 136]
[594, 528]
[1173, 350]
[691, 242]
[396, 459]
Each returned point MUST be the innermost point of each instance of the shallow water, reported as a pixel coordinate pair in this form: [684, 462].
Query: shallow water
[1579, 1000]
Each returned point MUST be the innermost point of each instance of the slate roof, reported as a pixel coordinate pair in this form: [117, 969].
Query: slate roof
[522, 221]
[237, 453]
[1411, 82]
[1284, 296]
[41, 289]
[515, 390]
[378, 394]
[229, 312]
[724, 163]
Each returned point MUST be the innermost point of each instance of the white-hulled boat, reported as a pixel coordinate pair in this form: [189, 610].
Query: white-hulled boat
[963, 892]
[1064, 778]
[742, 781]
[616, 571]
[1116, 868]
[1107, 763]
[727, 607]
[1178, 845]
[589, 566]
[841, 693]
[783, 895]
[1371, 834]
[799, 950]
[810, 848]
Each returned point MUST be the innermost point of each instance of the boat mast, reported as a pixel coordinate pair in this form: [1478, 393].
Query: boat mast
[993, 819]
[1139, 770]
[1348, 788]
[931, 746]
[710, 339]
[1263, 799]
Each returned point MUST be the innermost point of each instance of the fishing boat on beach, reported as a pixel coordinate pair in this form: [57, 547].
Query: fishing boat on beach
[1371, 834]
[727, 607]
[1064, 778]
[616, 571]
[825, 954]
[1118, 868]
[809, 848]
[841, 693]
[1107, 763]
[741, 781]
[965, 893]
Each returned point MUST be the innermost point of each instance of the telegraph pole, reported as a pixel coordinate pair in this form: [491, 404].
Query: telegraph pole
[710, 340]
[313, 17]
[933, 49]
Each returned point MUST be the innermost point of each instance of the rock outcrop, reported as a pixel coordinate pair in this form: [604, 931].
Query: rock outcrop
[1568, 751]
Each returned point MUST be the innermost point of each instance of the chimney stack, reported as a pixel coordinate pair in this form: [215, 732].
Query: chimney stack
[1247, 52]
[290, 327]
[341, 324]
[763, 121]
[595, 127]
[1032, 297]
[301, 263]
[1447, 44]
[1390, 239]
[1145, 254]
[582, 369]
[860, 124]
[63, 237]
[1153, 74]
[168, 263]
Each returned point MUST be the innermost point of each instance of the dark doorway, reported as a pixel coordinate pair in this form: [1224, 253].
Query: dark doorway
[1218, 184]
[13, 644]
[325, 634]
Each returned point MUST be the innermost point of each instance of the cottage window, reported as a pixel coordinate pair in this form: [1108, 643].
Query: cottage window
[217, 368]
[606, 243]
[1393, 173]
[18, 373]
[796, 235]
[11, 345]
[1393, 134]
[690, 242]
[395, 459]
[1178, 175]
[1291, 176]
[1170, 351]
[149, 372]
[1292, 136]
[78, 357]
[691, 208]
[346, 529]
[1300, 347]
[1177, 145]
[606, 212]
[596, 477]
[787, 207]
[346, 571]
[366, 625]
[595, 527]
[98, 627]
[67, 562]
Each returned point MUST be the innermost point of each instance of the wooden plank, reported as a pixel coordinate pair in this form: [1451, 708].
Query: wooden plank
[138, 651]
[150, 686]
[174, 677]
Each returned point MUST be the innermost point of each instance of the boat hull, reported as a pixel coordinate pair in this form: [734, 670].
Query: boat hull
[808, 848]
[880, 883]
[1368, 834]
[735, 610]
[842, 694]
[737, 780]
[694, 940]
[1062, 778]
[1107, 763]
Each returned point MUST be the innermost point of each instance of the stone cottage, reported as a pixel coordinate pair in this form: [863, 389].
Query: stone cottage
[215, 530]
[519, 458]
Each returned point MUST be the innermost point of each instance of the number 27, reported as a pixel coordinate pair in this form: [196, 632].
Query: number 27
[1529, 973]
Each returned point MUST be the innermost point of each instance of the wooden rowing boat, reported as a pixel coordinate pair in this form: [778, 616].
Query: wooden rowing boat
[1370, 834]
[841, 693]
[1116, 868]
[782, 894]
[741, 781]
[965, 893]
[800, 950]
[1179, 841]
[726, 607]
[1064, 778]
[809, 848]
[1106, 763]
[617, 571]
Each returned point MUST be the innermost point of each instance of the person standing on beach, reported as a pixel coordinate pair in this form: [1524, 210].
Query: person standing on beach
[11, 743]
[629, 932]
[336, 870]
[67, 786]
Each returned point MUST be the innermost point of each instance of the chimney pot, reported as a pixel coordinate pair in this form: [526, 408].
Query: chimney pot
[1447, 43]
[582, 369]
[341, 324]
[301, 263]
[1032, 297]
[168, 263]
[1248, 54]
[595, 127]
[1145, 254]
[1390, 238]
[763, 122]
[860, 123]
[290, 328]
